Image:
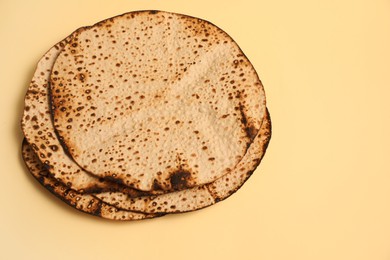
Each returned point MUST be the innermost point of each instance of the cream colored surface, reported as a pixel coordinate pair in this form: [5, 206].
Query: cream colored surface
[323, 188]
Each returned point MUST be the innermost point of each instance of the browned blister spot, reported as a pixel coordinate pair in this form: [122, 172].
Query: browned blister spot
[81, 77]
[156, 185]
[251, 132]
[180, 179]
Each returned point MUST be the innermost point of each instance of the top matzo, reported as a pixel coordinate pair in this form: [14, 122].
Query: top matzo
[156, 100]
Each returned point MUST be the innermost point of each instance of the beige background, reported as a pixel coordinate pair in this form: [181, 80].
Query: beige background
[323, 189]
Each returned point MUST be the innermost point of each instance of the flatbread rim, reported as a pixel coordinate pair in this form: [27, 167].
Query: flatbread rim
[98, 207]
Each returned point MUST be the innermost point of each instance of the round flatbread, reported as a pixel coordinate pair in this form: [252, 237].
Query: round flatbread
[64, 169]
[156, 100]
[82, 202]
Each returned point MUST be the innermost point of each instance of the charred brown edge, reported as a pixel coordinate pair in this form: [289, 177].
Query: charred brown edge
[51, 189]
[250, 131]
[258, 160]
[131, 192]
[118, 186]
[25, 139]
[248, 173]
[97, 212]
[51, 109]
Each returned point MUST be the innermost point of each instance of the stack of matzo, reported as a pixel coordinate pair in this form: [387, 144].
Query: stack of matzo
[144, 114]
